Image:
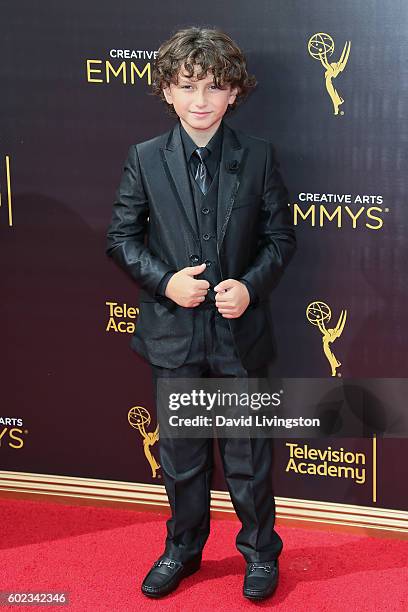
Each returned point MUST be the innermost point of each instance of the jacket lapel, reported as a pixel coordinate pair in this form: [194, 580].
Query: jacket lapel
[175, 165]
[177, 172]
[231, 166]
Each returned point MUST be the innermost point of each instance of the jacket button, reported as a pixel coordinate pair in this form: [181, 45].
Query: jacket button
[206, 236]
[194, 259]
[208, 262]
[205, 211]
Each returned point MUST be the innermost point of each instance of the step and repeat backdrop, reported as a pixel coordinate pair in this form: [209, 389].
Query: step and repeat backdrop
[75, 93]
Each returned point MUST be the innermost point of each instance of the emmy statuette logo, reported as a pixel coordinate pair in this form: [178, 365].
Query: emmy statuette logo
[139, 418]
[320, 47]
[318, 314]
[7, 184]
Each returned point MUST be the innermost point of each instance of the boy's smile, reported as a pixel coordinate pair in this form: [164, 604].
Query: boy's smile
[199, 104]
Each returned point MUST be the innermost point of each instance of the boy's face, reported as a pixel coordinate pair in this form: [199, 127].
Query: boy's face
[199, 103]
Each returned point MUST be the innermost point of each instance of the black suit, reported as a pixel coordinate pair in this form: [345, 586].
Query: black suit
[154, 231]
[250, 219]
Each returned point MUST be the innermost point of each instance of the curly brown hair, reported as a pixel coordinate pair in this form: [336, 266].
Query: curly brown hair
[212, 50]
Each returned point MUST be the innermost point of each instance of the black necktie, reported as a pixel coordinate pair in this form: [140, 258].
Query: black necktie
[202, 176]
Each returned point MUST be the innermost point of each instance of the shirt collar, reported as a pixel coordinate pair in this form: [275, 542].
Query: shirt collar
[214, 145]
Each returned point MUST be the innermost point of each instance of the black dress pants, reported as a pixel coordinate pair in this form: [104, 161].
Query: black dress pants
[187, 464]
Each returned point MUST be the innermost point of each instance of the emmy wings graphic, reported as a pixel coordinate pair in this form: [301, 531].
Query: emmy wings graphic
[138, 418]
[320, 47]
[318, 313]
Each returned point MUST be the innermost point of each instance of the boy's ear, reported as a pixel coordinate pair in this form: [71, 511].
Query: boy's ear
[233, 94]
[167, 95]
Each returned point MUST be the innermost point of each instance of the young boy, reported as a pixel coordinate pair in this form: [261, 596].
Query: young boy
[201, 222]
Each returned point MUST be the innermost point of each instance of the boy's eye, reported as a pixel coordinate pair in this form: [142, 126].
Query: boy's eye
[213, 86]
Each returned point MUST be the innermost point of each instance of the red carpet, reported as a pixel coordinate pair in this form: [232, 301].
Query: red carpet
[100, 555]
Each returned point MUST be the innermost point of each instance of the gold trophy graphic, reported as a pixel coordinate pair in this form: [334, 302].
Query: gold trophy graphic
[138, 418]
[318, 313]
[8, 187]
[320, 46]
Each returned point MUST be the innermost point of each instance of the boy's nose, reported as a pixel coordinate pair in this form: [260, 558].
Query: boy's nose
[200, 99]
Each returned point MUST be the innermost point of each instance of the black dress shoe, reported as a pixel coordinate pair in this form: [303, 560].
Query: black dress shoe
[166, 574]
[261, 579]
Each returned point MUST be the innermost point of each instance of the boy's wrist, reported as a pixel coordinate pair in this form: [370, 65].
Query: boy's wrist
[161, 288]
[253, 298]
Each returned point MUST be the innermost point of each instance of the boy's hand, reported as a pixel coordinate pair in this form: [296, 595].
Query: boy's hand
[186, 290]
[232, 298]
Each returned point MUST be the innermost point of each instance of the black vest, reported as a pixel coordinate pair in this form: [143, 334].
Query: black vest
[206, 214]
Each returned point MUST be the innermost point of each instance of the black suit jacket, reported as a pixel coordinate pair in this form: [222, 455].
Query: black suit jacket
[153, 231]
